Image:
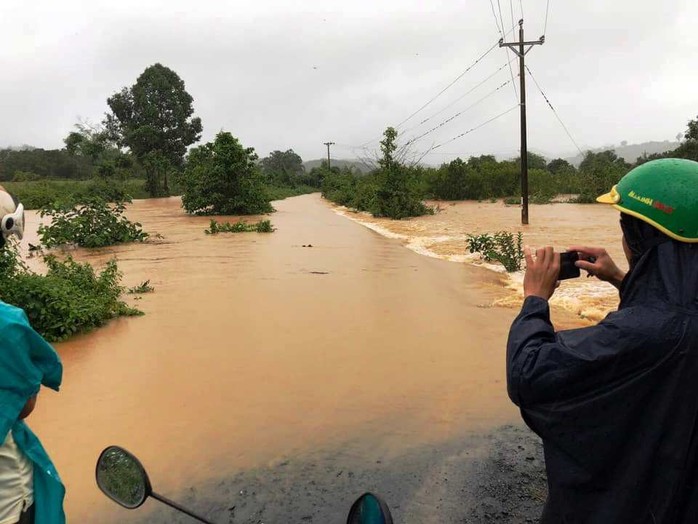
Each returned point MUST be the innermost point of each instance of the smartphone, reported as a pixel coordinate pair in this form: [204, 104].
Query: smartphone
[567, 267]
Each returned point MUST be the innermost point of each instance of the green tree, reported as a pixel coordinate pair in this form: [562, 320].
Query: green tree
[222, 178]
[153, 118]
[283, 167]
[98, 145]
[535, 161]
[599, 172]
[397, 195]
[560, 166]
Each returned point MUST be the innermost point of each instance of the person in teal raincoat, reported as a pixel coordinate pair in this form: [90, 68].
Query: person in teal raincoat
[31, 491]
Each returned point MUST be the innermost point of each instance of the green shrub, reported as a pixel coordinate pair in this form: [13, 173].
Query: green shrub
[42, 193]
[71, 298]
[275, 192]
[143, 287]
[263, 226]
[93, 223]
[512, 201]
[501, 247]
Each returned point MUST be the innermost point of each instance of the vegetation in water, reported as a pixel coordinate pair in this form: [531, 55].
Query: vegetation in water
[143, 287]
[222, 178]
[70, 298]
[263, 226]
[91, 223]
[502, 247]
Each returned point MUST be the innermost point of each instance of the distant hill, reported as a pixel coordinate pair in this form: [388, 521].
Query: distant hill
[631, 152]
[356, 164]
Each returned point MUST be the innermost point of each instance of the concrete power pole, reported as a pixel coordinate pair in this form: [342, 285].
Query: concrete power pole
[520, 49]
[328, 144]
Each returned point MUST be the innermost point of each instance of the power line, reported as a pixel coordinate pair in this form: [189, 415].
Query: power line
[511, 9]
[449, 85]
[439, 126]
[496, 22]
[547, 10]
[458, 99]
[501, 18]
[475, 128]
[555, 112]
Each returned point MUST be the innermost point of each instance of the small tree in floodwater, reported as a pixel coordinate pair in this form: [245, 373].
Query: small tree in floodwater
[398, 195]
[222, 178]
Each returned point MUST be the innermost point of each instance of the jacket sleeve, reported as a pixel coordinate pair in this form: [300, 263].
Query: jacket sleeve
[544, 366]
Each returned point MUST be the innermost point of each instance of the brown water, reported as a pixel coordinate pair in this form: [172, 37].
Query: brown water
[443, 235]
[254, 348]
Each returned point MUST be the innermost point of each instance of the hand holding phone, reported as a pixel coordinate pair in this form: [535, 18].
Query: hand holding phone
[568, 268]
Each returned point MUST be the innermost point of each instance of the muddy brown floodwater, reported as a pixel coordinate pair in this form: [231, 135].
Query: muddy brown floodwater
[254, 348]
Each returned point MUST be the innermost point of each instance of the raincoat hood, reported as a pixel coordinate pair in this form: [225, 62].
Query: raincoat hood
[26, 363]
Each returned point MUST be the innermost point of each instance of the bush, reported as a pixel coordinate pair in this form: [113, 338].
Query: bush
[275, 192]
[42, 193]
[93, 223]
[500, 247]
[71, 298]
[222, 178]
[263, 226]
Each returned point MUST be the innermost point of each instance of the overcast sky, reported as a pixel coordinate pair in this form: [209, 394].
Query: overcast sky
[281, 74]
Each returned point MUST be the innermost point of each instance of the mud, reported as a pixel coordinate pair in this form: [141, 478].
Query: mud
[494, 477]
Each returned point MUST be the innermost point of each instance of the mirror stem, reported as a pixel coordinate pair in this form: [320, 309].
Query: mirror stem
[176, 506]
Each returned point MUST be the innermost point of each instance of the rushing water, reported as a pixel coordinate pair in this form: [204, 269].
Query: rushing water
[254, 348]
[443, 235]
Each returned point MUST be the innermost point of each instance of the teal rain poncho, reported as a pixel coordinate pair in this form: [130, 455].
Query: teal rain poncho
[26, 362]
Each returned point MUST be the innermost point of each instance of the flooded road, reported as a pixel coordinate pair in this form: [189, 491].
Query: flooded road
[444, 234]
[255, 348]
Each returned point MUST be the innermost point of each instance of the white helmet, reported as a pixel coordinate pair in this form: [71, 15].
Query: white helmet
[11, 217]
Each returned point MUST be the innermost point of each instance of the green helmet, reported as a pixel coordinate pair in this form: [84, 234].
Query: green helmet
[663, 193]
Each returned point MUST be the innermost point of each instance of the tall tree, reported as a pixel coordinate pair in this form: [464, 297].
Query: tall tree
[397, 195]
[153, 118]
[282, 167]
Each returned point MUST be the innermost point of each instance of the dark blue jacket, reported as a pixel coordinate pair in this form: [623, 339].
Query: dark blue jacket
[616, 404]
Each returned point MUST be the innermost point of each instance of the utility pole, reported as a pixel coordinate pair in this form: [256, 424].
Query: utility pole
[520, 49]
[328, 144]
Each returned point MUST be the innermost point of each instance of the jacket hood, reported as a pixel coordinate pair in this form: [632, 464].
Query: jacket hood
[665, 274]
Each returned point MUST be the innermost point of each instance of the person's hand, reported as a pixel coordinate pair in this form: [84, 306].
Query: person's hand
[28, 408]
[542, 273]
[603, 267]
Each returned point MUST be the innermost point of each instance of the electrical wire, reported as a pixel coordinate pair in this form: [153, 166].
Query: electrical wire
[511, 9]
[439, 126]
[475, 128]
[501, 18]
[457, 99]
[555, 112]
[449, 85]
[496, 22]
[547, 10]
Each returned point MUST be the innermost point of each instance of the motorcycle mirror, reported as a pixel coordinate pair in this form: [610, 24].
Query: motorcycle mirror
[369, 509]
[122, 477]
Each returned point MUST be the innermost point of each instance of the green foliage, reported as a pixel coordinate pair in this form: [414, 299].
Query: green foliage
[598, 173]
[53, 163]
[143, 287]
[501, 247]
[153, 118]
[263, 226]
[42, 193]
[281, 192]
[282, 168]
[71, 298]
[397, 194]
[222, 178]
[92, 223]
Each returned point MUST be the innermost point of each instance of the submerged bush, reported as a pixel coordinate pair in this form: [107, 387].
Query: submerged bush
[263, 226]
[501, 247]
[92, 223]
[71, 298]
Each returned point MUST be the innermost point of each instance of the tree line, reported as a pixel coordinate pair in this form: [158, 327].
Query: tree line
[482, 177]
